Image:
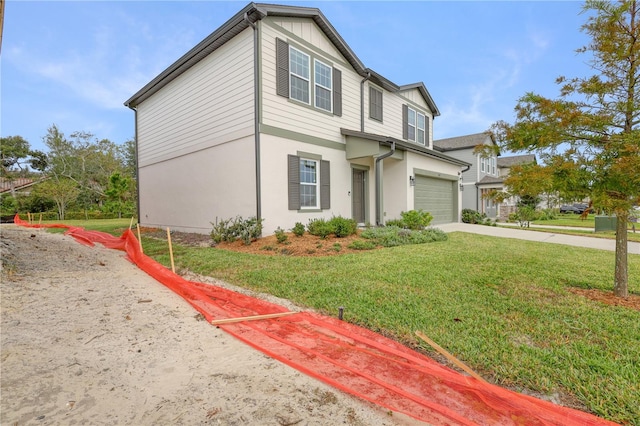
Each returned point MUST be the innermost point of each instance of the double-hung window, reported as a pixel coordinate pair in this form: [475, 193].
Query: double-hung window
[299, 75]
[415, 128]
[307, 79]
[308, 183]
[323, 86]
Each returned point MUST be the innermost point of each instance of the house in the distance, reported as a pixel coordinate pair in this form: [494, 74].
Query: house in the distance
[486, 173]
[273, 115]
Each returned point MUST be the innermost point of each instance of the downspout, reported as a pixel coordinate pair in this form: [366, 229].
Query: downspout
[379, 212]
[362, 101]
[256, 113]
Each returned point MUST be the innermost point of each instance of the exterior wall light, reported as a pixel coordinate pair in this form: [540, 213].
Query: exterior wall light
[412, 181]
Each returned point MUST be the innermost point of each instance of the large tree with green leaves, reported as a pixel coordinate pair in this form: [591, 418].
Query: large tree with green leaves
[590, 132]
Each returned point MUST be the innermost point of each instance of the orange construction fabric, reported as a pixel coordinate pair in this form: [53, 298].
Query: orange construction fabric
[351, 358]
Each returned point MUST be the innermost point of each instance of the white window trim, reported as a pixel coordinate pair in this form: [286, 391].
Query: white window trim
[416, 127]
[307, 79]
[316, 185]
[316, 84]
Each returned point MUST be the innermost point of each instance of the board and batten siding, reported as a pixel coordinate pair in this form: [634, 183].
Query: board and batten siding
[288, 114]
[210, 104]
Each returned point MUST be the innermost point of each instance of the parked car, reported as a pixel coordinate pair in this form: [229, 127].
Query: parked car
[567, 208]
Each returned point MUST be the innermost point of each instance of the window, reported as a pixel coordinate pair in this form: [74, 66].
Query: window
[375, 103]
[482, 161]
[323, 85]
[309, 183]
[297, 77]
[493, 166]
[414, 125]
[299, 70]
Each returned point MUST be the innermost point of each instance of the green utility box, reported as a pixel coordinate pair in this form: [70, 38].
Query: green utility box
[605, 223]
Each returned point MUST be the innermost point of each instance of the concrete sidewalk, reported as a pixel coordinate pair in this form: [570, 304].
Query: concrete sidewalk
[543, 237]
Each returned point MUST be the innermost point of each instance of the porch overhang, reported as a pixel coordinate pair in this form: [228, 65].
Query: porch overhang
[362, 144]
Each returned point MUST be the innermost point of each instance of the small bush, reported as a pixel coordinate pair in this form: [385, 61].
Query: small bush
[298, 229]
[336, 247]
[394, 222]
[281, 236]
[472, 216]
[391, 236]
[416, 219]
[343, 227]
[319, 227]
[230, 230]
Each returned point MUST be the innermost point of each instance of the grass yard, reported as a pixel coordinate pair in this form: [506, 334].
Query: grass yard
[502, 306]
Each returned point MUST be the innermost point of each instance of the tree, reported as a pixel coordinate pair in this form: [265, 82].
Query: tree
[16, 153]
[62, 192]
[117, 192]
[590, 132]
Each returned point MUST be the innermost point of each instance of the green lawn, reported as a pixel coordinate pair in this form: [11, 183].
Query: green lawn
[502, 306]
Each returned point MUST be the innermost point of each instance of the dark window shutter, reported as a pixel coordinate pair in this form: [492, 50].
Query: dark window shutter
[405, 122]
[294, 182]
[337, 92]
[325, 185]
[375, 103]
[282, 68]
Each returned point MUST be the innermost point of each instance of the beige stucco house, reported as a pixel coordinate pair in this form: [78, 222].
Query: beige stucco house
[274, 116]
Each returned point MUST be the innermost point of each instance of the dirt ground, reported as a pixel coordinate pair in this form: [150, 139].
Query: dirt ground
[87, 338]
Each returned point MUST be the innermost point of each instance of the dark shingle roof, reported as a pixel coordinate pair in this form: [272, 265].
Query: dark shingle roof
[516, 159]
[246, 17]
[461, 142]
[490, 179]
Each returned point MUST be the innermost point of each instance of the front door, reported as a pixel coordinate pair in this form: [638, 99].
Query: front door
[357, 195]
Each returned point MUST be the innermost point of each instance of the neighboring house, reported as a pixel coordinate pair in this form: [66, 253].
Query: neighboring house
[486, 173]
[17, 185]
[273, 115]
[482, 175]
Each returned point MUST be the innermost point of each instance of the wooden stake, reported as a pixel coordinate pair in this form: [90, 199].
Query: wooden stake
[139, 239]
[251, 318]
[450, 357]
[173, 266]
[131, 223]
[29, 217]
[40, 221]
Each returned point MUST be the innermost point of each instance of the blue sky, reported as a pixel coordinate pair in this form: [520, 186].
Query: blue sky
[74, 63]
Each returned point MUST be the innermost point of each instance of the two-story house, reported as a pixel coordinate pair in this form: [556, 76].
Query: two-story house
[486, 173]
[482, 176]
[273, 115]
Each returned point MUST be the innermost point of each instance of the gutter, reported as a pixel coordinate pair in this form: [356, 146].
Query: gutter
[378, 172]
[362, 101]
[256, 114]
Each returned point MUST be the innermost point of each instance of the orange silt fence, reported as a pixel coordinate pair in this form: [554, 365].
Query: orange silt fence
[350, 358]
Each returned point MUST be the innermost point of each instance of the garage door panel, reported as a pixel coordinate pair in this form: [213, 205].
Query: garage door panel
[435, 196]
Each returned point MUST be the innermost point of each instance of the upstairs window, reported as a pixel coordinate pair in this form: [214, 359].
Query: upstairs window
[414, 125]
[323, 85]
[299, 79]
[375, 103]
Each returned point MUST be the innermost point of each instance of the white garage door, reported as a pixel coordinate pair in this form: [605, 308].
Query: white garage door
[435, 196]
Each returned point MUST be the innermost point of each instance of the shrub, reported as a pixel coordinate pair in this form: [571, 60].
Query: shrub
[394, 222]
[472, 216]
[237, 228]
[298, 229]
[391, 236]
[319, 227]
[525, 214]
[416, 219]
[343, 227]
[281, 236]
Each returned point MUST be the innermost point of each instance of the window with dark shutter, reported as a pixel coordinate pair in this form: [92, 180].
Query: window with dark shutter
[282, 68]
[337, 92]
[405, 122]
[294, 182]
[325, 185]
[375, 103]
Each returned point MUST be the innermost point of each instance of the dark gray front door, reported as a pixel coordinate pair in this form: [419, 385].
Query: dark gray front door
[357, 195]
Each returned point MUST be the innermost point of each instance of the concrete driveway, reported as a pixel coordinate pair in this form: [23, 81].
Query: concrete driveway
[544, 237]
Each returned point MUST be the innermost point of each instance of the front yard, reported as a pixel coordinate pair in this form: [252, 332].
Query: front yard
[514, 311]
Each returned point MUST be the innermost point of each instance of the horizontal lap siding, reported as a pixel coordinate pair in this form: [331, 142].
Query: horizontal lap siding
[287, 114]
[210, 104]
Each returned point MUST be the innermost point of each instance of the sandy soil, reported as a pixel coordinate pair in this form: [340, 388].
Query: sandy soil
[87, 338]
